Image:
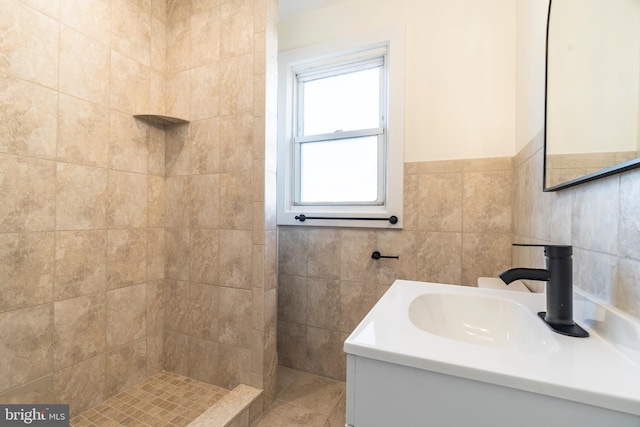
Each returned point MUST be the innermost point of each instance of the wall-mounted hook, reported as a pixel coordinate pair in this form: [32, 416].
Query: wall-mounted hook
[376, 255]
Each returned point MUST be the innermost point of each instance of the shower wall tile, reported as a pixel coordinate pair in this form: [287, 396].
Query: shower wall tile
[201, 353]
[205, 146]
[159, 10]
[177, 252]
[236, 95]
[37, 392]
[155, 253]
[205, 259]
[234, 366]
[323, 296]
[236, 18]
[126, 315]
[30, 44]
[27, 345]
[205, 191]
[156, 150]
[205, 91]
[85, 67]
[126, 257]
[128, 143]
[204, 301]
[155, 355]
[178, 39]
[235, 258]
[129, 84]
[322, 342]
[158, 44]
[206, 32]
[154, 307]
[90, 17]
[48, 7]
[177, 207]
[292, 299]
[236, 143]
[178, 151]
[82, 385]
[131, 31]
[28, 189]
[236, 207]
[235, 317]
[125, 367]
[178, 10]
[81, 197]
[79, 329]
[155, 201]
[81, 263]
[83, 132]
[127, 207]
[28, 118]
[176, 104]
[176, 353]
[26, 258]
[176, 307]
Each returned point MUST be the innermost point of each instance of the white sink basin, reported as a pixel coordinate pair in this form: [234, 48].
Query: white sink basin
[487, 321]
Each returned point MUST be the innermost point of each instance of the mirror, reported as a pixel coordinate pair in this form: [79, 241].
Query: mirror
[592, 104]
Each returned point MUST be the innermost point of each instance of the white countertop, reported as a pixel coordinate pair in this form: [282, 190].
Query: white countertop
[590, 370]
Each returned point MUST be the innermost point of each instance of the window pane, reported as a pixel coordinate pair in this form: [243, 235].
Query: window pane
[342, 170]
[344, 102]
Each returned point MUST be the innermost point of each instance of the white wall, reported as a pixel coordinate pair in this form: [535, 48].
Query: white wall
[460, 94]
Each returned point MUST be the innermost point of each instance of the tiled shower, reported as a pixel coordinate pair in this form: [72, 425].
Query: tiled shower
[128, 248]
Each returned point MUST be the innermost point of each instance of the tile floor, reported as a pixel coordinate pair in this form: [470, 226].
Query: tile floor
[164, 399]
[305, 400]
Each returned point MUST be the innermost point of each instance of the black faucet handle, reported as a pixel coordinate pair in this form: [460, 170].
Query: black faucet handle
[551, 251]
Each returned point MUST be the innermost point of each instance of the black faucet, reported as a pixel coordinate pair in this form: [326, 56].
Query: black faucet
[559, 278]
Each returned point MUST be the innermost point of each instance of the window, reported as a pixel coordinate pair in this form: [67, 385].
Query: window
[339, 154]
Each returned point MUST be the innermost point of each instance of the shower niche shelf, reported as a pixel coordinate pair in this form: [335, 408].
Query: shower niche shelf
[159, 120]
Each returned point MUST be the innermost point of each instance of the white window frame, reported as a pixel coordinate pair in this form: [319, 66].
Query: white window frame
[293, 61]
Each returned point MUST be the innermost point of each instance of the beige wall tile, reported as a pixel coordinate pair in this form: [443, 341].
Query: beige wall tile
[79, 329]
[236, 142]
[292, 299]
[487, 202]
[176, 103]
[629, 218]
[395, 243]
[206, 31]
[28, 194]
[26, 266]
[156, 151]
[176, 353]
[204, 311]
[235, 317]
[235, 258]
[205, 257]
[313, 392]
[90, 17]
[38, 392]
[131, 30]
[236, 207]
[287, 414]
[205, 146]
[83, 132]
[158, 44]
[292, 345]
[234, 366]
[155, 253]
[155, 308]
[125, 366]
[81, 197]
[596, 214]
[129, 84]
[323, 303]
[128, 143]
[484, 255]
[356, 300]
[30, 44]
[178, 10]
[177, 207]
[127, 207]
[205, 91]
[293, 250]
[178, 151]
[126, 315]
[627, 288]
[178, 39]
[81, 385]
[326, 358]
[85, 67]
[205, 190]
[201, 353]
[27, 345]
[126, 257]
[439, 257]
[81, 263]
[155, 201]
[236, 95]
[28, 118]
[440, 202]
[355, 255]
[236, 17]
[177, 241]
[159, 9]
[176, 307]
[155, 355]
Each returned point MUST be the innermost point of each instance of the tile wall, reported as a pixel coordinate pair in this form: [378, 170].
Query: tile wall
[601, 219]
[457, 227]
[89, 200]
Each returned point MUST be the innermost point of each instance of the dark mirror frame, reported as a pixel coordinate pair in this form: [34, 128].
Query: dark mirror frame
[619, 168]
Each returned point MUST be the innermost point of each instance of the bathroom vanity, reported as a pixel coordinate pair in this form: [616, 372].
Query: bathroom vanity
[442, 355]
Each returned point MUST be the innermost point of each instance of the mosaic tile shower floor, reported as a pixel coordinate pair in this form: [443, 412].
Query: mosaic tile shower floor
[164, 399]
